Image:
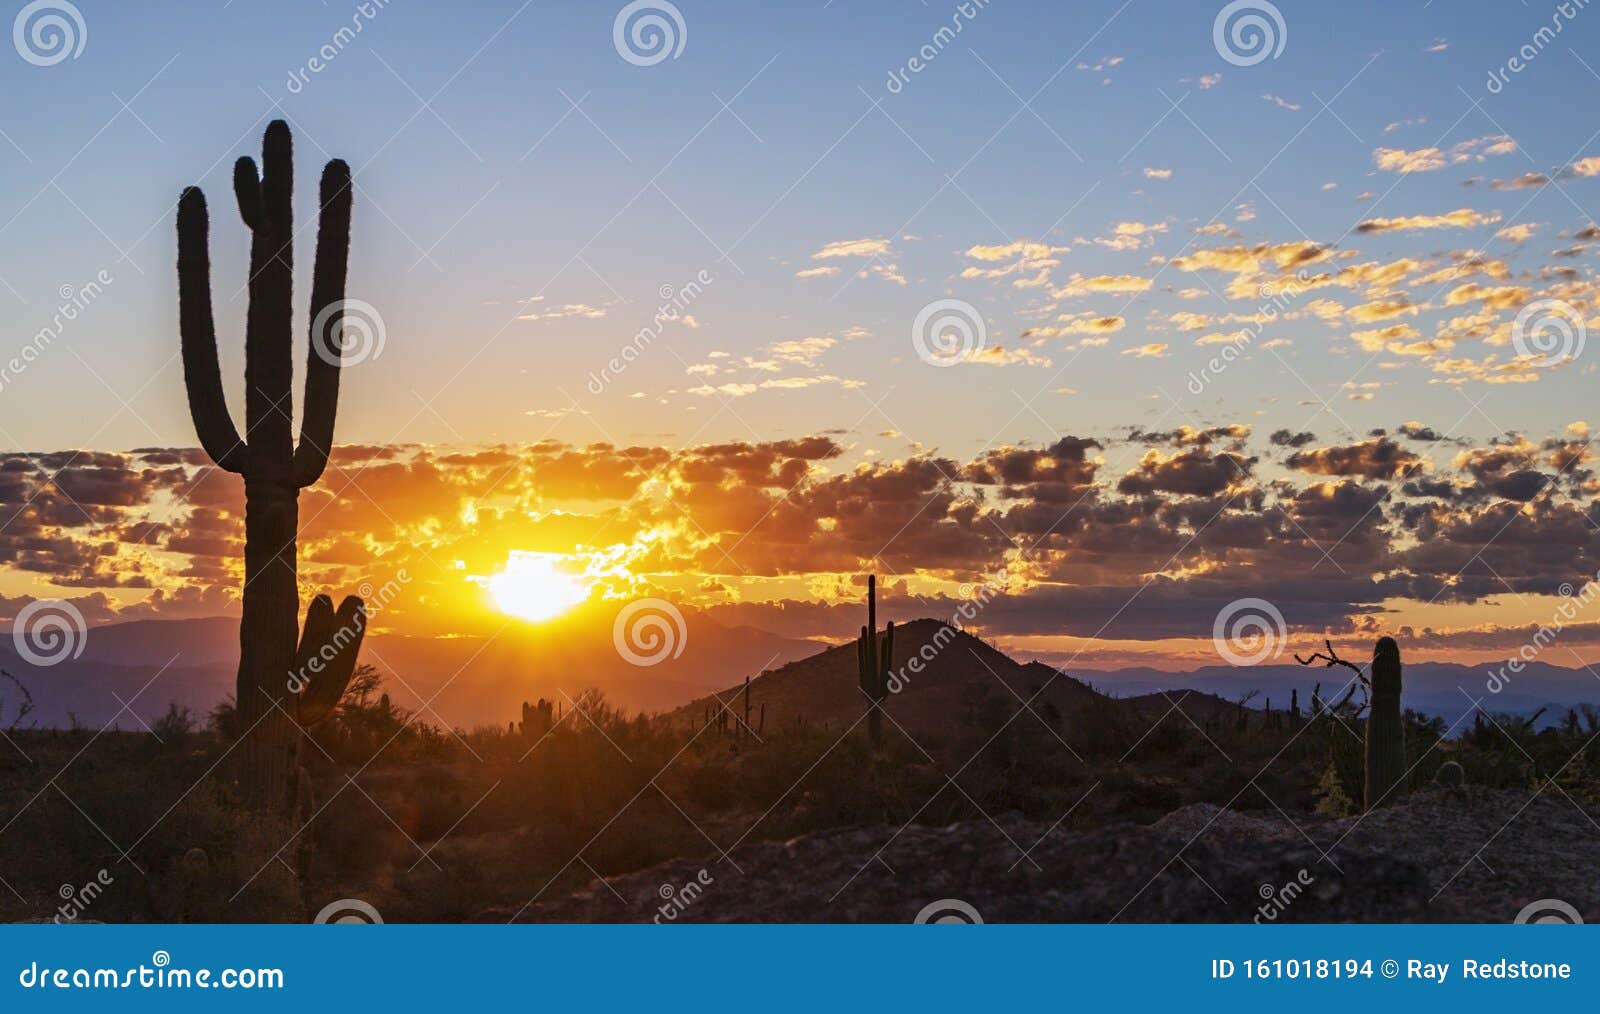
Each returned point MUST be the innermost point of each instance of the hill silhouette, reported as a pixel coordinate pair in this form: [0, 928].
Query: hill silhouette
[958, 679]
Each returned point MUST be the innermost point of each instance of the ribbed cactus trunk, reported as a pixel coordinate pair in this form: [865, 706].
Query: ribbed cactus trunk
[873, 661]
[746, 730]
[1386, 734]
[284, 677]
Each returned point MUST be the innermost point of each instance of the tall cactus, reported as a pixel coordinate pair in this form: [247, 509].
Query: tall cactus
[1386, 734]
[286, 676]
[873, 660]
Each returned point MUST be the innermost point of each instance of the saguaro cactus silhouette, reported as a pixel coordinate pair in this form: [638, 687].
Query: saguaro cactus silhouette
[286, 676]
[537, 720]
[873, 660]
[1386, 734]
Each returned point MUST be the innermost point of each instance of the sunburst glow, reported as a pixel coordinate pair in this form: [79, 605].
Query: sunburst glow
[532, 586]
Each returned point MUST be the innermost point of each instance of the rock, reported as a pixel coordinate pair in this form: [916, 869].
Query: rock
[1435, 857]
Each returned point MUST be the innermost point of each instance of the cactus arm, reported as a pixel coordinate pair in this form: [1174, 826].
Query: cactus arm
[325, 346]
[326, 659]
[198, 337]
[864, 659]
[247, 191]
[886, 662]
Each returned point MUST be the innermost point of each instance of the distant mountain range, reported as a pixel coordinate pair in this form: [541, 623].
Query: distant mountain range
[459, 681]
[136, 668]
[1446, 689]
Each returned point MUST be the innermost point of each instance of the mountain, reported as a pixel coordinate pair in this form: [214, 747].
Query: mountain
[959, 679]
[455, 681]
[1446, 689]
[467, 681]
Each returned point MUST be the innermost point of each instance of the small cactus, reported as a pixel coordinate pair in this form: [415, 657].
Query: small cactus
[873, 660]
[537, 719]
[1450, 774]
[1386, 734]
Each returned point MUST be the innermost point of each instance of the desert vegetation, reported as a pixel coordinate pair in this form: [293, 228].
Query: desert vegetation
[433, 823]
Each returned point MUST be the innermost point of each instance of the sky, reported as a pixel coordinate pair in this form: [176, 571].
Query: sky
[1107, 314]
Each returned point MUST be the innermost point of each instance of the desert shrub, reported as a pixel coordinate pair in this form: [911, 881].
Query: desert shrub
[174, 730]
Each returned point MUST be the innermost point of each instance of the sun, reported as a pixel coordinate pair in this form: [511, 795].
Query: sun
[532, 587]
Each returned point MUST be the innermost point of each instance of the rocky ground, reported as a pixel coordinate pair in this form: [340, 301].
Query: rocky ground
[1463, 854]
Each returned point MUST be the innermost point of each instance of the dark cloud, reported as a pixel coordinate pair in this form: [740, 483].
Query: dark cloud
[1378, 458]
[1417, 431]
[1195, 472]
[1189, 528]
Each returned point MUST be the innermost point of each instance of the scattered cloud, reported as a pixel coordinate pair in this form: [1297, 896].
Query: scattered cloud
[1422, 160]
[1461, 218]
[867, 247]
[582, 311]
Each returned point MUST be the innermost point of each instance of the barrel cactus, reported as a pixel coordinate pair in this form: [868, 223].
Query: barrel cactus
[287, 676]
[1450, 774]
[1386, 734]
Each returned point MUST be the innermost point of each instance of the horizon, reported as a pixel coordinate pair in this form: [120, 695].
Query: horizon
[1172, 666]
[1159, 351]
[691, 461]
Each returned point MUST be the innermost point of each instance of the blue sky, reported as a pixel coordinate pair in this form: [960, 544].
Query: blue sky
[498, 227]
[1108, 195]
